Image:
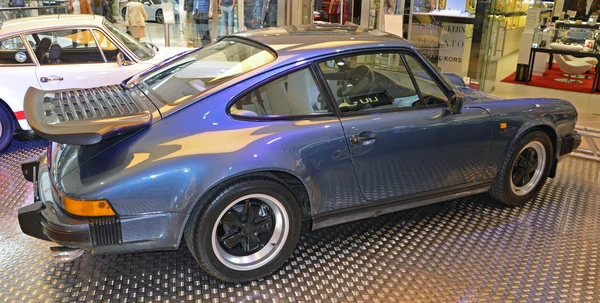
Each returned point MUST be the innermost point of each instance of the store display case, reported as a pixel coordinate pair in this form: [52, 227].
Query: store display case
[565, 33]
[454, 8]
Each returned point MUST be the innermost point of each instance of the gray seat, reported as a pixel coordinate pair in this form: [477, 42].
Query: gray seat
[54, 53]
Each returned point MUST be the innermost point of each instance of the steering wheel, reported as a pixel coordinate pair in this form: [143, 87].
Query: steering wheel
[359, 81]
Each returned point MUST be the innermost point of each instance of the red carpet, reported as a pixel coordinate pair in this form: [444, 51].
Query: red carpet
[547, 81]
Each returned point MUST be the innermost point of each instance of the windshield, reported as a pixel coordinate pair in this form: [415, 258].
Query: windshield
[204, 69]
[137, 48]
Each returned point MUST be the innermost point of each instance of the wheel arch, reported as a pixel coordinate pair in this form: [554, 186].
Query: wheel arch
[546, 127]
[296, 184]
[12, 114]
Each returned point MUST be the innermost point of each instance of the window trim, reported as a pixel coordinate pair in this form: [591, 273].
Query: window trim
[268, 80]
[91, 29]
[401, 52]
[427, 69]
[27, 50]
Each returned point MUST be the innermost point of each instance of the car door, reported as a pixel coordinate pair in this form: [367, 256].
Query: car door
[17, 74]
[402, 139]
[80, 58]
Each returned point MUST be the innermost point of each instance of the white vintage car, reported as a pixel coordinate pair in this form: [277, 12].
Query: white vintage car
[153, 9]
[60, 52]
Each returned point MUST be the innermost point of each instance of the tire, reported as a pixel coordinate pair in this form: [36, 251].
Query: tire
[159, 16]
[124, 13]
[227, 247]
[7, 127]
[519, 180]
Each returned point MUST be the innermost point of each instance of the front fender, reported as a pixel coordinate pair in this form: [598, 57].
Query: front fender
[556, 117]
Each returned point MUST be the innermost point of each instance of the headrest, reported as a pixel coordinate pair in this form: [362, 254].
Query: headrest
[55, 51]
[45, 43]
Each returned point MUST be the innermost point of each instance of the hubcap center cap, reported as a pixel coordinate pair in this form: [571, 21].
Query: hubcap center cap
[247, 229]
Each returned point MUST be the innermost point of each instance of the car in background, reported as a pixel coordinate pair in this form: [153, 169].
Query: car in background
[231, 147]
[62, 52]
[154, 10]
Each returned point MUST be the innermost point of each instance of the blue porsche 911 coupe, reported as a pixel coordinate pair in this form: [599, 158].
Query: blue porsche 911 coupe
[232, 146]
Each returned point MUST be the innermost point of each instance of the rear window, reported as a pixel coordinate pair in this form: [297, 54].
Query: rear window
[204, 69]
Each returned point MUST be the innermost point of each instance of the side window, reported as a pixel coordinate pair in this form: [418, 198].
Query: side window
[109, 49]
[430, 91]
[291, 95]
[69, 46]
[13, 51]
[370, 82]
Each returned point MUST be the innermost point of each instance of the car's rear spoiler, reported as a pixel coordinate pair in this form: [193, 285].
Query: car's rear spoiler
[84, 116]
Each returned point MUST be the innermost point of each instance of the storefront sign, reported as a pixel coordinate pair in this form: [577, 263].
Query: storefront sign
[168, 13]
[452, 47]
[558, 7]
[533, 18]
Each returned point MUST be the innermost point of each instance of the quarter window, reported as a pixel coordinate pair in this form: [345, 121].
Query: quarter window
[13, 51]
[291, 95]
[370, 82]
[109, 49]
[430, 91]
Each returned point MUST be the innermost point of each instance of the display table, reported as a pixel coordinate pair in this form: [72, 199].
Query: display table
[551, 52]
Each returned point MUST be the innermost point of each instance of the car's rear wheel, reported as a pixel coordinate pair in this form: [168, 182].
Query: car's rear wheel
[246, 230]
[159, 16]
[7, 128]
[524, 172]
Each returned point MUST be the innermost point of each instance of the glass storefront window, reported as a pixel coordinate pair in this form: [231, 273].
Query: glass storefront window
[138, 49]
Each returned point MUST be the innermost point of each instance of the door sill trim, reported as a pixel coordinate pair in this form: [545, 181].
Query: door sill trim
[377, 209]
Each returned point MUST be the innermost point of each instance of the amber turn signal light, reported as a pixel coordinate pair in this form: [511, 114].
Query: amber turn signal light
[88, 208]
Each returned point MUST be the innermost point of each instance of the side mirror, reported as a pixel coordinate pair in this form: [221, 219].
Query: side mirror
[455, 103]
[147, 3]
[122, 61]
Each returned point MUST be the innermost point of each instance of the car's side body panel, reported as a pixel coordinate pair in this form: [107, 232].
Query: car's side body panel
[555, 116]
[168, 167]
[419, 150]
[13, 86]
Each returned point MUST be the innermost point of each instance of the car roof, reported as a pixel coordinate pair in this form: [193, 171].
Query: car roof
[295, 43]
[27, 24]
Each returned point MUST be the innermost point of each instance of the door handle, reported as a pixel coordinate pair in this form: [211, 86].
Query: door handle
[364, 137]
[48, 79]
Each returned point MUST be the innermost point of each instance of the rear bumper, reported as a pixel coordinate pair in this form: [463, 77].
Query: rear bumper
[570, 142]
[34, 223]
[46, 220]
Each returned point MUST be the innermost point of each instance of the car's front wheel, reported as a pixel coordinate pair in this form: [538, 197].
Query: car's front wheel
[7, 128]
[246, 230]
[525, 170]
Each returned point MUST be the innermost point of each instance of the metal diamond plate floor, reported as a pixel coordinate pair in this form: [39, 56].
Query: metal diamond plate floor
[465, 250]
